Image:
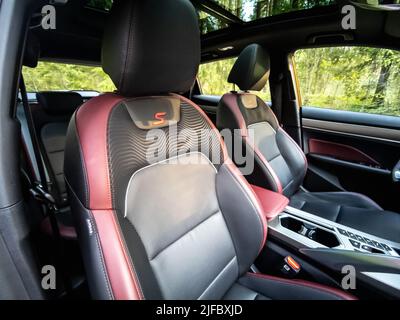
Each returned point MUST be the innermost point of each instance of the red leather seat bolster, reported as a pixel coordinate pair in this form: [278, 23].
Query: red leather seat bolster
[272, 203]
[120, 271]
[92, 123]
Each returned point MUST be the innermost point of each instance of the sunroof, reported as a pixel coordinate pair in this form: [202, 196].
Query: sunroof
[100, 4]
[213, 18]
[249, 10]
[209, 23]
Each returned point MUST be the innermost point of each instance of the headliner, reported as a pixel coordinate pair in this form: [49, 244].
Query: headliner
[79, 32]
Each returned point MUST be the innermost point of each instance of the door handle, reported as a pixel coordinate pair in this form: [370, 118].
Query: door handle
[396, 172]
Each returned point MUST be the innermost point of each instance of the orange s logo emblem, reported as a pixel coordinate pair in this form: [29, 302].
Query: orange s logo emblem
[160, 117]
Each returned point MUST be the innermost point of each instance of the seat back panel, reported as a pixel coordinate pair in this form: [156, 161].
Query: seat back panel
[182, 228]
[131, 148]
[279, 155]
[53, 136]
[263, 136]
[164, 192]
[50, 119]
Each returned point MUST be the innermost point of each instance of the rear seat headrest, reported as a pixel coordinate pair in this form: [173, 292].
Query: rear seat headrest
[251, 69]
[32, 51]
[59, 103]
[152, 47]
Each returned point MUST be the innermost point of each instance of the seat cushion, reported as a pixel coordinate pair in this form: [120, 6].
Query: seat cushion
[350, 209]
[254, 286]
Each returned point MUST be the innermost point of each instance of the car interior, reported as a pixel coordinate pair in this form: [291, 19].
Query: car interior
[195, 163]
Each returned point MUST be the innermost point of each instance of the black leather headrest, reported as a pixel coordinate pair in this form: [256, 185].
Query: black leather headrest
[151, 46]
[32, 51]
[251, 69]
[59, 103]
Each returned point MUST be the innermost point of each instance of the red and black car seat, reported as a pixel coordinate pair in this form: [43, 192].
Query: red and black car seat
[186, 226]
[281, 165]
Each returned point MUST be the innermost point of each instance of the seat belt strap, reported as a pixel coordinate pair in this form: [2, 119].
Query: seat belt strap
[277, 97]
[38, 188]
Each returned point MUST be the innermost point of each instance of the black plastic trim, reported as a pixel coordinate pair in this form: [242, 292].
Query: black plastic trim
[359, 118]
[14, 227]
[348, 164]
[335, 259]
[204, 99]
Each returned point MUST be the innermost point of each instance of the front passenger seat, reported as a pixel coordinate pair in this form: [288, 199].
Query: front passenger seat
[184, 227]
[280, 160]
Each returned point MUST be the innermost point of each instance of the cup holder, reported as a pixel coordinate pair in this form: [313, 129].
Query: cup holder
[311, 231]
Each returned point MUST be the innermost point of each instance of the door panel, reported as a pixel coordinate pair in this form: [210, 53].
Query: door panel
[341, 152]
[359, 149]
[370, 131]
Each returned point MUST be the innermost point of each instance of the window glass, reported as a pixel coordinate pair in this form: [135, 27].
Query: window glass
[245, 10]
[48, 76]
[249, 10]
[213, 78]
[208, 23]
[357, 79]
[100, 4]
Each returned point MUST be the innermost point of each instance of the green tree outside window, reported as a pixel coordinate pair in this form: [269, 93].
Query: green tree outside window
[357, 79]
[48, 76]
[213, 78]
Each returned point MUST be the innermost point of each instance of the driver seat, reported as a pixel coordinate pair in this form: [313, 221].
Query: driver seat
[185, 225]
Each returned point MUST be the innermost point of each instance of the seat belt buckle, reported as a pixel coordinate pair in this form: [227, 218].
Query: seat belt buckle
[41, 195]
[290, 267]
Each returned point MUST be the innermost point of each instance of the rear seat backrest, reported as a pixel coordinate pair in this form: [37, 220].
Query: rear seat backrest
[51, 117]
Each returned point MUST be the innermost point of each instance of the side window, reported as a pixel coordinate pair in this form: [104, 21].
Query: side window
[49, 76]
[357, 79]
[213, 79]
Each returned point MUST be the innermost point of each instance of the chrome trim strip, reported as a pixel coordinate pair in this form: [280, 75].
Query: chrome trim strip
[389, 279]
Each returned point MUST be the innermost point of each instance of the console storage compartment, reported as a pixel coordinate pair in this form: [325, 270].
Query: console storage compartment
[311, 231]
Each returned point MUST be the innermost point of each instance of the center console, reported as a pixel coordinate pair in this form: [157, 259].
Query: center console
[303, 229]
[376, 260]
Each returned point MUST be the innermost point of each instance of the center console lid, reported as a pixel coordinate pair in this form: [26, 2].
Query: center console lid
[272, 203]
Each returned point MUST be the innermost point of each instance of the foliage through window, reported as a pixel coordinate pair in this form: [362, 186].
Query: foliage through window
[246, 10]
[249, 10]
[59, 76]
[100, 4]
[208, 23]
[358, 79]
[213, 78]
